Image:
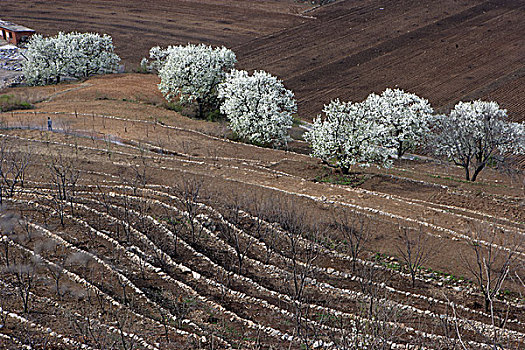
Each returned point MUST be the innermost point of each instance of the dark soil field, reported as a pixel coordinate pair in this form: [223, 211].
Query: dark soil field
[126, 269]
[136, 26]
[445, 51]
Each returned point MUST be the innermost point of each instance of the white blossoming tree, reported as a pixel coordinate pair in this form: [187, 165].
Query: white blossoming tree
[192, 74]
[157, 58]
[475, 133]
[68, 55]
[259, 107]
[349, 135]
[405, 116]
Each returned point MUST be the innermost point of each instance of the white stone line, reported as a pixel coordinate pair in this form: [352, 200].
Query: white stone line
[40, 328]
[81, 281]
[417, 202]
[339, 273]
[270, 331]
[162, 125]
[318, 199]
[448, 188]
[329, 271]
[45, 330]
[219, 286]
[112, 329]
[370, 210]
[172, 158]
[246, 161]
[134, 258]
[321, 285]
[195, 275]
[15, 341]
[252, 300]
[399, 305]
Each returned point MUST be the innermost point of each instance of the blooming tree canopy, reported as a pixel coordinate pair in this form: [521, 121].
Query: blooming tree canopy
[258, 107]
[192, 73]
[405, 116]
[157, 58]
[349, 135]
[68, 55]
[475, 133]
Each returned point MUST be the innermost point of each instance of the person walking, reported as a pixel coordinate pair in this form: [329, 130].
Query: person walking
[49, 124]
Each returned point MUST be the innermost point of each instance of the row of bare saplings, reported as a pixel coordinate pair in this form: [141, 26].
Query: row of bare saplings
[294, 236]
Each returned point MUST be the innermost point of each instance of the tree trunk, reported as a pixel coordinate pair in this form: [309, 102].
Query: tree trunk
[467, 173]
[200, 113]
[400, 150]
[477, 171]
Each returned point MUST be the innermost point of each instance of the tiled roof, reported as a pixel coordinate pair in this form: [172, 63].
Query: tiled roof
[14, 27]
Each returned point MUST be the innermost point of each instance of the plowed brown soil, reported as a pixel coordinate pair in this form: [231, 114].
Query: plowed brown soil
[444, 50]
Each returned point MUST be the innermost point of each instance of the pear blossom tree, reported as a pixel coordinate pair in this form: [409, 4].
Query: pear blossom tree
[349, 135]
[68, 55]
[477, 133]
[157, 58]
[405, 115]
[192, 74]
[258, 106]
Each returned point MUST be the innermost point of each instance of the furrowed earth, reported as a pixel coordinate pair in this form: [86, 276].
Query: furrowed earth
[134, 259]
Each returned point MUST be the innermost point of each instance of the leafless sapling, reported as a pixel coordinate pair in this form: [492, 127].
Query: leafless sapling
[64, 178]
[188, 192]
[13, 167]
[492, 255]
[356, 230]
[415, 249]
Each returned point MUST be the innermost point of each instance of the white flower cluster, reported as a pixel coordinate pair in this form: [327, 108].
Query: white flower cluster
[258, 107]
[68, 55]
[193, 72]
[157, 59]
[375, 130]
[348, 135]
[475, 132]
[405, 115]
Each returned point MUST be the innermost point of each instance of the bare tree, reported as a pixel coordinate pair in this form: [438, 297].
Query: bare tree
[488, 262]
[139, 179]
[233, 234]
[13, 166]
[415, 249]
[64, 177]
[302, 256]
[88, 328]
[25, 278]
[57, 270]
[262, 211]
[188, 192]
[371, 283]
[8, 220]
[123, 321]
[355, 229]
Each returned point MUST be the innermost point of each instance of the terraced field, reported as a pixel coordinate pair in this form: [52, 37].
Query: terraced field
[137, 228]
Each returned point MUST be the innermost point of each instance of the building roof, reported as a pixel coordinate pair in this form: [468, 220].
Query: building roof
[14, 27]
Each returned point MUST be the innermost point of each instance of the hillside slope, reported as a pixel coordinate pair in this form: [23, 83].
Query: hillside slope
[443, 50]
[116, 263]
